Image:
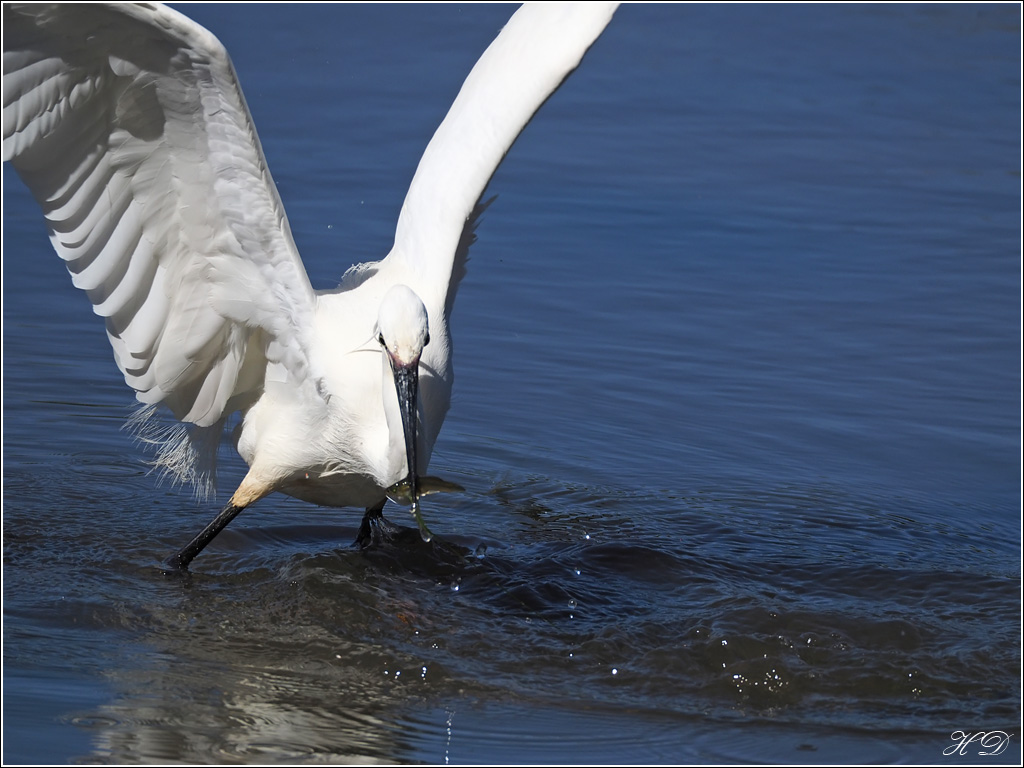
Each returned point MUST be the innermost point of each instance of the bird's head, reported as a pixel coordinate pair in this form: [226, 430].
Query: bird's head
[402, 332]
[402, 328]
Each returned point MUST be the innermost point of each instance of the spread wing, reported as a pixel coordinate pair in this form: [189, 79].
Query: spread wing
[539, 47]
[127, 123]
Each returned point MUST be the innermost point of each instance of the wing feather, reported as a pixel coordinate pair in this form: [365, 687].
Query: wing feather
[539, 47]
[127, 123]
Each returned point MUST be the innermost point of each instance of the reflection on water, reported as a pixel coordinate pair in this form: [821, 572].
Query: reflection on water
[743, 487]
[213, 707]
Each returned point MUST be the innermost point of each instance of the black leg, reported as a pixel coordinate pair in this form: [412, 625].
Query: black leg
[181, 560]
[376, 529]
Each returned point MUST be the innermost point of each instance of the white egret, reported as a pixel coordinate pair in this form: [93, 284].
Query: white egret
[127, 123]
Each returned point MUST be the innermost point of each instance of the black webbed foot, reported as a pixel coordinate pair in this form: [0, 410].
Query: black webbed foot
[377, 531]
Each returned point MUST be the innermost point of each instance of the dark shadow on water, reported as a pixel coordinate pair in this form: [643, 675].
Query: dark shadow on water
[407, 554]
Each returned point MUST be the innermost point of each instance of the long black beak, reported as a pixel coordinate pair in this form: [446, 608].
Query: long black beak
[407, 379]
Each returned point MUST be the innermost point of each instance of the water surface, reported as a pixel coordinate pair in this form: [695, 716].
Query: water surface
[737, 411]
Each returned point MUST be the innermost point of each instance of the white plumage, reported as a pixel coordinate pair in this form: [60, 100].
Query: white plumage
[128, 124]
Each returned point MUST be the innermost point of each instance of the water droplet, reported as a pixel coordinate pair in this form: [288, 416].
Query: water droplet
[615, 671]
[448, 743]
[725, 642]
[586, 536]
[423, 673]
[425, 533]
[572, 603]
[576, 571]
[455, 586]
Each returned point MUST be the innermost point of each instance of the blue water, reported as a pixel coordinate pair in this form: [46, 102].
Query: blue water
[737, 410]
